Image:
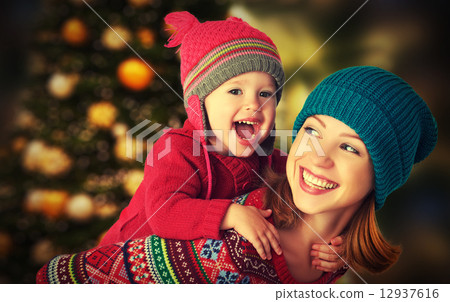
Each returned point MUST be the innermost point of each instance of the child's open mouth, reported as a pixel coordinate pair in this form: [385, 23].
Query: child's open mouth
[246, 129]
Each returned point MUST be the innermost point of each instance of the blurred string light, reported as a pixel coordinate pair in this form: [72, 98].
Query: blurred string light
[50, 161]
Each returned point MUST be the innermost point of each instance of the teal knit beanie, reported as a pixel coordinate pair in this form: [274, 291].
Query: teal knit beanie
[393, 121]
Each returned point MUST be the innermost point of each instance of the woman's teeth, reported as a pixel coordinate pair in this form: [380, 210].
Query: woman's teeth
[317, 183]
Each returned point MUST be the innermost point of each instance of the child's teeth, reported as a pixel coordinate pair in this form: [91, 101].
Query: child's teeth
[247, 122]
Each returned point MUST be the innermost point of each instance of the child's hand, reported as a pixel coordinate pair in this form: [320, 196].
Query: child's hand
[325, 259]
[251, 223]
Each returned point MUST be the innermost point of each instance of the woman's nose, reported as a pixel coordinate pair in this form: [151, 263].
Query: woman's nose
[322, 160]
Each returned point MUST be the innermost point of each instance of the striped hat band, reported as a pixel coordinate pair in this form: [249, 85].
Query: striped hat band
[231, 59]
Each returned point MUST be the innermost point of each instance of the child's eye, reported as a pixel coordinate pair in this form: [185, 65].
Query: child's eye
[349, 148]
[265, 94]
[235, 91]
[312, 131]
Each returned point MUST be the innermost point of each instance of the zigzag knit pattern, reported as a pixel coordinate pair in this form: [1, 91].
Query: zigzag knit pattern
[167, 261]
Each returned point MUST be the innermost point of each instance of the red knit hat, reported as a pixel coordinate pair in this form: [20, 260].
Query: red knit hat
[214, 52]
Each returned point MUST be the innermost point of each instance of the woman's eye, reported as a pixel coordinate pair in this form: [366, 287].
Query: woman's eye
[235, 91]
[312, 131]
[265, 94]
[349, 148]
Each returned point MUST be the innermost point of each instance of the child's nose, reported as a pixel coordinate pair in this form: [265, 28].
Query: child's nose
[252, 102]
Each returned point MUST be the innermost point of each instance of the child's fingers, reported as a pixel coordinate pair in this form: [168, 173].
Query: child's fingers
[325, 248]
[327, 256]
[265, 213]
[266, 244]
[274, 238]
[257, 244]
[327, 266]
[325, 269]
[337, 241]
[273, 243]
[262, 246]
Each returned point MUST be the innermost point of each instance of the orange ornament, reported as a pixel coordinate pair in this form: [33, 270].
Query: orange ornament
[147, 37]
[140, 3]
[74, 32]
[135, 74]
[54, 203]
[102, 114]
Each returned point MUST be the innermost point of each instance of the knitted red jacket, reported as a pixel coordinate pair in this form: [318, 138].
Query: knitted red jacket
[232, 259]
[185, 195]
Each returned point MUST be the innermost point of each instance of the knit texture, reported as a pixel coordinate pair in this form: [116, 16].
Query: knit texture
[172, 201]
[232, 259]
[213, 52]
[393, 121]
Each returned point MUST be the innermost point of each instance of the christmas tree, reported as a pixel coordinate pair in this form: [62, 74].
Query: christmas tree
[96, 69]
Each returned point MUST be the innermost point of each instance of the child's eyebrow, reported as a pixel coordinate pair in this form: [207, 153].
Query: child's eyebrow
[243, 81]
[235, 81]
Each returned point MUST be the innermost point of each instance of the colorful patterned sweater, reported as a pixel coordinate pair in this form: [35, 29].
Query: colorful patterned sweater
[156, 260]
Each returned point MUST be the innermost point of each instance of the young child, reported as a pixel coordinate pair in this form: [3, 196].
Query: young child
[232, 78]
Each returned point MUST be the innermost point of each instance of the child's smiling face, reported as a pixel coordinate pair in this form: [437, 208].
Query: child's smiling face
[338, 181]
[241, 113]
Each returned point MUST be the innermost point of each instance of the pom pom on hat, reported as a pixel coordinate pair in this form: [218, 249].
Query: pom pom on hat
[183, 23]
[393, 121]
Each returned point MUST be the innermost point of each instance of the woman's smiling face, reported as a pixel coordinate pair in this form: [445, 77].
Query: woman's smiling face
[336, 180]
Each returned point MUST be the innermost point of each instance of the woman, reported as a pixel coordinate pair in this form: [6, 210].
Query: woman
[371, 128]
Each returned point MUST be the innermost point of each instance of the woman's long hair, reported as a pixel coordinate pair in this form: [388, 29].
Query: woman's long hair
[364, 244]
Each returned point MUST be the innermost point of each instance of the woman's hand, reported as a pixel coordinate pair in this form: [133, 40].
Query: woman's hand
[251, 223]
[325, 259]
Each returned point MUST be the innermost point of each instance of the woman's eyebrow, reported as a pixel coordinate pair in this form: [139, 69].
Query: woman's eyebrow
[320, 121]
[342, 134]
[351, 136]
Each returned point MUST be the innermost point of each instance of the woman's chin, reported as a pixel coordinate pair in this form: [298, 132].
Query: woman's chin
[305, 207]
